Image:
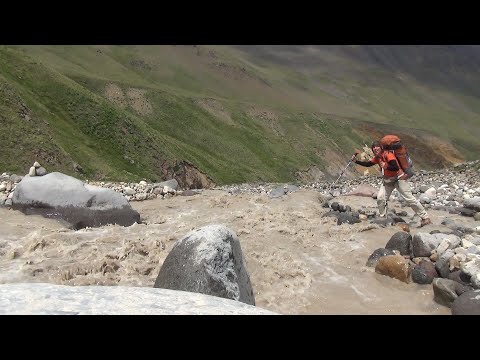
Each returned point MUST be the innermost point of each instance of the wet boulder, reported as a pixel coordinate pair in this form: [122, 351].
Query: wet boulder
[208, 260]
[347, 218]
[394, 266]
[472, 203]
[60, 196]
[424, 272]
[400, 241]
[444, 291]
[50, 299]
[376, 255]
[467, 303]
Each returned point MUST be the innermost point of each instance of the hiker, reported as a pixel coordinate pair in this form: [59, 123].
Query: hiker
[393, 178]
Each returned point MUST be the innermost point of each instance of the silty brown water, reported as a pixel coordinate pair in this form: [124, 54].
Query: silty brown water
[299, 262]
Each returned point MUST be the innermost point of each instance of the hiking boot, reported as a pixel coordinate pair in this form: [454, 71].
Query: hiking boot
[424, 222]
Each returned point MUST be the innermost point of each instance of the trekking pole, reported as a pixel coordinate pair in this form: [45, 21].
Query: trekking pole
[330, 188]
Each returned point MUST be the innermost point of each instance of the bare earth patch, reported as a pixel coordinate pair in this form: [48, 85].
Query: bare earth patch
[334, 158]
[267, 117]
[445, 149]
[135, 98]
[235, 72]
[262, 113]
[115, 94]
[138, 101]
[215, 108]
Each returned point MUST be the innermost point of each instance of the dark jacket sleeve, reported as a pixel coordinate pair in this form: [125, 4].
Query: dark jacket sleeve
[393, 165]
[364, 163]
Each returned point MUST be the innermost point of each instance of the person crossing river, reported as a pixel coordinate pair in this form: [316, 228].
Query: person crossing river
[393, 178]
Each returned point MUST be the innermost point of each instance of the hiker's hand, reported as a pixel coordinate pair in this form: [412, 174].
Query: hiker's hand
[382, 164]
[353, 157]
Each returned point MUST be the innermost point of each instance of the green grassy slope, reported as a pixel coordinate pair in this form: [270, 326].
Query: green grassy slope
[433, 88]
[236, 113]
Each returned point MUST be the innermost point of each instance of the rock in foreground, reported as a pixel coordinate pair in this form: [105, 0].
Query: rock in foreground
[208, 260]
[467, 304]
[49, 299]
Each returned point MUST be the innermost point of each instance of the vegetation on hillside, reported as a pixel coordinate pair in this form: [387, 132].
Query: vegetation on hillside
[234, 113]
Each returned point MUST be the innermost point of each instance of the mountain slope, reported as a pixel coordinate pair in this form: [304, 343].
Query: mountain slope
[236, 114]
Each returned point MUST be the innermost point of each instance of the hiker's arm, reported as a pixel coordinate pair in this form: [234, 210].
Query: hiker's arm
[364, 163]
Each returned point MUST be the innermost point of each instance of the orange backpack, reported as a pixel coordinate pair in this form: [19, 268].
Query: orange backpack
[393, 144]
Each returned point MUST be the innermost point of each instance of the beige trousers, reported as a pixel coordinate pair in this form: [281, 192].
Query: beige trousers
[403, 187]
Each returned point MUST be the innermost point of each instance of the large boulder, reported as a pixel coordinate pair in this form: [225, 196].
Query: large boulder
[376, 255]
[173, 183]
[50, 299]
[16, 178]
[472, 203]
[400, 241]
[471, 267]
[444, 291]
[460, 277]
[60, 196]
[424, 272]
[394, 266]
[467, 304]
[277, 192]
[208, 260]
[347, 218]
[443, 263]
[424, 243]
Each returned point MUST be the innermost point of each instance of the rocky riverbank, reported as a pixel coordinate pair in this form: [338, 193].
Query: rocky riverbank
[436, 189]
[300, 257]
